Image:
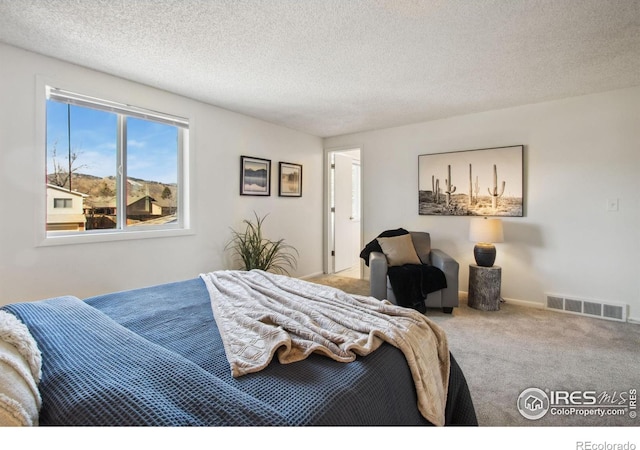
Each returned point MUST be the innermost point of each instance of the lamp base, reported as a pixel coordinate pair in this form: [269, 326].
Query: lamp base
[485, 254]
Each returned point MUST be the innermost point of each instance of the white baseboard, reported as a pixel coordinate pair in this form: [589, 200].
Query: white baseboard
[515, 301]
[527, 303]
[311, 275]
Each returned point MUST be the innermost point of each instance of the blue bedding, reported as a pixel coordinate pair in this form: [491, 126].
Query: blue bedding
[154, 357]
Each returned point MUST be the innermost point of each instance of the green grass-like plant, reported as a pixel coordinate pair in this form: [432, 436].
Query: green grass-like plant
[258, 252]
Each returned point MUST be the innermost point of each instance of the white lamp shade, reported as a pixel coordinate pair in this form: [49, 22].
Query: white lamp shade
[486, 230]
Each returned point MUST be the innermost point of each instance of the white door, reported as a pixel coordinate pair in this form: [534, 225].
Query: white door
[343, 224]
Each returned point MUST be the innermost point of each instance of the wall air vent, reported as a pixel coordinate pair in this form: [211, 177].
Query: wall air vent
[614, 312]
[572, 305]
[592, 309]
[555, 302]
[589, 308]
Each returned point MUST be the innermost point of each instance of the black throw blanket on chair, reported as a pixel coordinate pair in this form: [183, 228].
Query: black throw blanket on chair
[412, 282]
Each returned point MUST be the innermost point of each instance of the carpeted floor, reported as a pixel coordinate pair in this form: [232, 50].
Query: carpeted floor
[504, 352]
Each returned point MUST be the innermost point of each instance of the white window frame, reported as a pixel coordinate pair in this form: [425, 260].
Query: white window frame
[183, 226]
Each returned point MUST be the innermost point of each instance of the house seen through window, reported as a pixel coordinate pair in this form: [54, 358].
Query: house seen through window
[111, 166]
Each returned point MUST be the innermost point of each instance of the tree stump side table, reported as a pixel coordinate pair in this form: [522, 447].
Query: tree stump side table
[484, 287]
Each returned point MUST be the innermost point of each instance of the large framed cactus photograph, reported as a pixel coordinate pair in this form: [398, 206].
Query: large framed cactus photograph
[483, 182]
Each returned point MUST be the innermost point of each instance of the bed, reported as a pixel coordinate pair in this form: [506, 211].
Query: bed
[156, 357]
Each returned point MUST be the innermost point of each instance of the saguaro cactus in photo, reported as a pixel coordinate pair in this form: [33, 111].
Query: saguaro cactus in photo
[473, 188]
[494, 193]
[435, 189]
[476, 189]
[470, 187]
[450, 188]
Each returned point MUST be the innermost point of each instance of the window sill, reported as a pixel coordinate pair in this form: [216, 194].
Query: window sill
[54, 239]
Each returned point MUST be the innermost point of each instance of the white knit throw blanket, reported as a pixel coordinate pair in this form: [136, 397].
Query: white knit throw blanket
[260, 314]
[20, 372]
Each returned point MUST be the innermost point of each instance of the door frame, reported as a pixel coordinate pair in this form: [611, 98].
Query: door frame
[327, 226]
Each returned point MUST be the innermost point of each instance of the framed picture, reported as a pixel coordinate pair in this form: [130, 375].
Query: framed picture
[290, 180]
[255, 176]
[484, 182]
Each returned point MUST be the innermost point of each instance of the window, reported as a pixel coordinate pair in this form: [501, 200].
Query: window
[123, 164]
[62, 203]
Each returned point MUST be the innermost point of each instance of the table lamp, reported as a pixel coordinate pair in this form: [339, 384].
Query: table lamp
[485, 232]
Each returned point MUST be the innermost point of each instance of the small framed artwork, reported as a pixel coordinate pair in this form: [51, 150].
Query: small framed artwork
[290, 180]
[255, 176]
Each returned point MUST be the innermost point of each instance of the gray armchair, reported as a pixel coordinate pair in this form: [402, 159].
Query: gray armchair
[446, 298]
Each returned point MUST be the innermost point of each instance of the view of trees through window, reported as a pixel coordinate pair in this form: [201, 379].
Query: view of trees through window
[101, 159]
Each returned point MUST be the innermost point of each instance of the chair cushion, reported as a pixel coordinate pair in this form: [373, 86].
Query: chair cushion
[422, 244]
[399, 250]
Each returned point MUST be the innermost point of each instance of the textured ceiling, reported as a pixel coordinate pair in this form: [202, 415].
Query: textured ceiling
[330, 67]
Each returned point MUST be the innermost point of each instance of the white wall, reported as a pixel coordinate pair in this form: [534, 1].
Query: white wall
[217, 138]
[579, 152]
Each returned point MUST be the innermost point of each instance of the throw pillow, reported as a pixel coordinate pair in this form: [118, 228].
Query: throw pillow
[374, 246]
[399, 250]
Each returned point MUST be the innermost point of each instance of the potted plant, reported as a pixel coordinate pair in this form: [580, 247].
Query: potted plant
[258, 252]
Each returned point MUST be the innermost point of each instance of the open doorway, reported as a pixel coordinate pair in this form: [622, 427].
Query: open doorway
[344, 208]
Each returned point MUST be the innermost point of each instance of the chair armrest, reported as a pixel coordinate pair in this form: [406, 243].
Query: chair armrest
[451, 268]
[378, 275]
